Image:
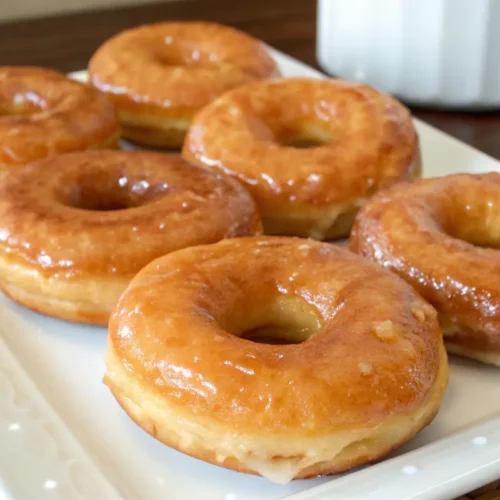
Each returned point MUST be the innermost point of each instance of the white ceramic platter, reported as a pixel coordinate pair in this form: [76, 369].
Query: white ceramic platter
[62, 435]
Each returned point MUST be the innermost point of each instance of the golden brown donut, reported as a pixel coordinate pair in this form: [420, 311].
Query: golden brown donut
[442, 236]
[43, 113]
[75, 228]
[361, 141]
[160, 75]
[358, 366]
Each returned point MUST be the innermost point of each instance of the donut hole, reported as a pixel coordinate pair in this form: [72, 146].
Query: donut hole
[280, 321]
[302, 142]
[101, 192]
[176, 54]
[475, 221]
[304, 137]
[475, 236]
[478, 231]
[97, 201]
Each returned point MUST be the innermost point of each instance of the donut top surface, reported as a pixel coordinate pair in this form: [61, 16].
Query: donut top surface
[182, 65]
[359, 343]
[361, 140]
[442, 235]
[112, 212]
[43, 113]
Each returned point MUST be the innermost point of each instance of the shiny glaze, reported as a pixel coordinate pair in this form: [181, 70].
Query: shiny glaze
[435, 233]
[369, 142]
[176, 67]
[372, 357]
[43, 113]
[108, 213]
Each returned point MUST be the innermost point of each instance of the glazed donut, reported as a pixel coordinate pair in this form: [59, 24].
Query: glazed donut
[43, 113]
[362, 140]
[442, 236]
[75, 228]
[313, 366]
[160, 75]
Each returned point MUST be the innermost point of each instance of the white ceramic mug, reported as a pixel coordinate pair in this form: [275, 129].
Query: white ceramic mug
[428, 52]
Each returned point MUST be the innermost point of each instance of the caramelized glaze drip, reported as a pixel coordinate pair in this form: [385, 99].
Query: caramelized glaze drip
[442, 235]
[43, 113]
[179, 366]
[110, 212]
[186, 345]
[178, 66]
[256, 133]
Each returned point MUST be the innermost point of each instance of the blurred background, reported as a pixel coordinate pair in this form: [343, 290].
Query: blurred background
[439, 56]
[26, 9]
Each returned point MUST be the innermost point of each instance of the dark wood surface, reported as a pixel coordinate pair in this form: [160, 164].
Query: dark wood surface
[67, 42]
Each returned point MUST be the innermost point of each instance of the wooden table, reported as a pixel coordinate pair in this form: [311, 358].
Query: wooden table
[66, 43]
